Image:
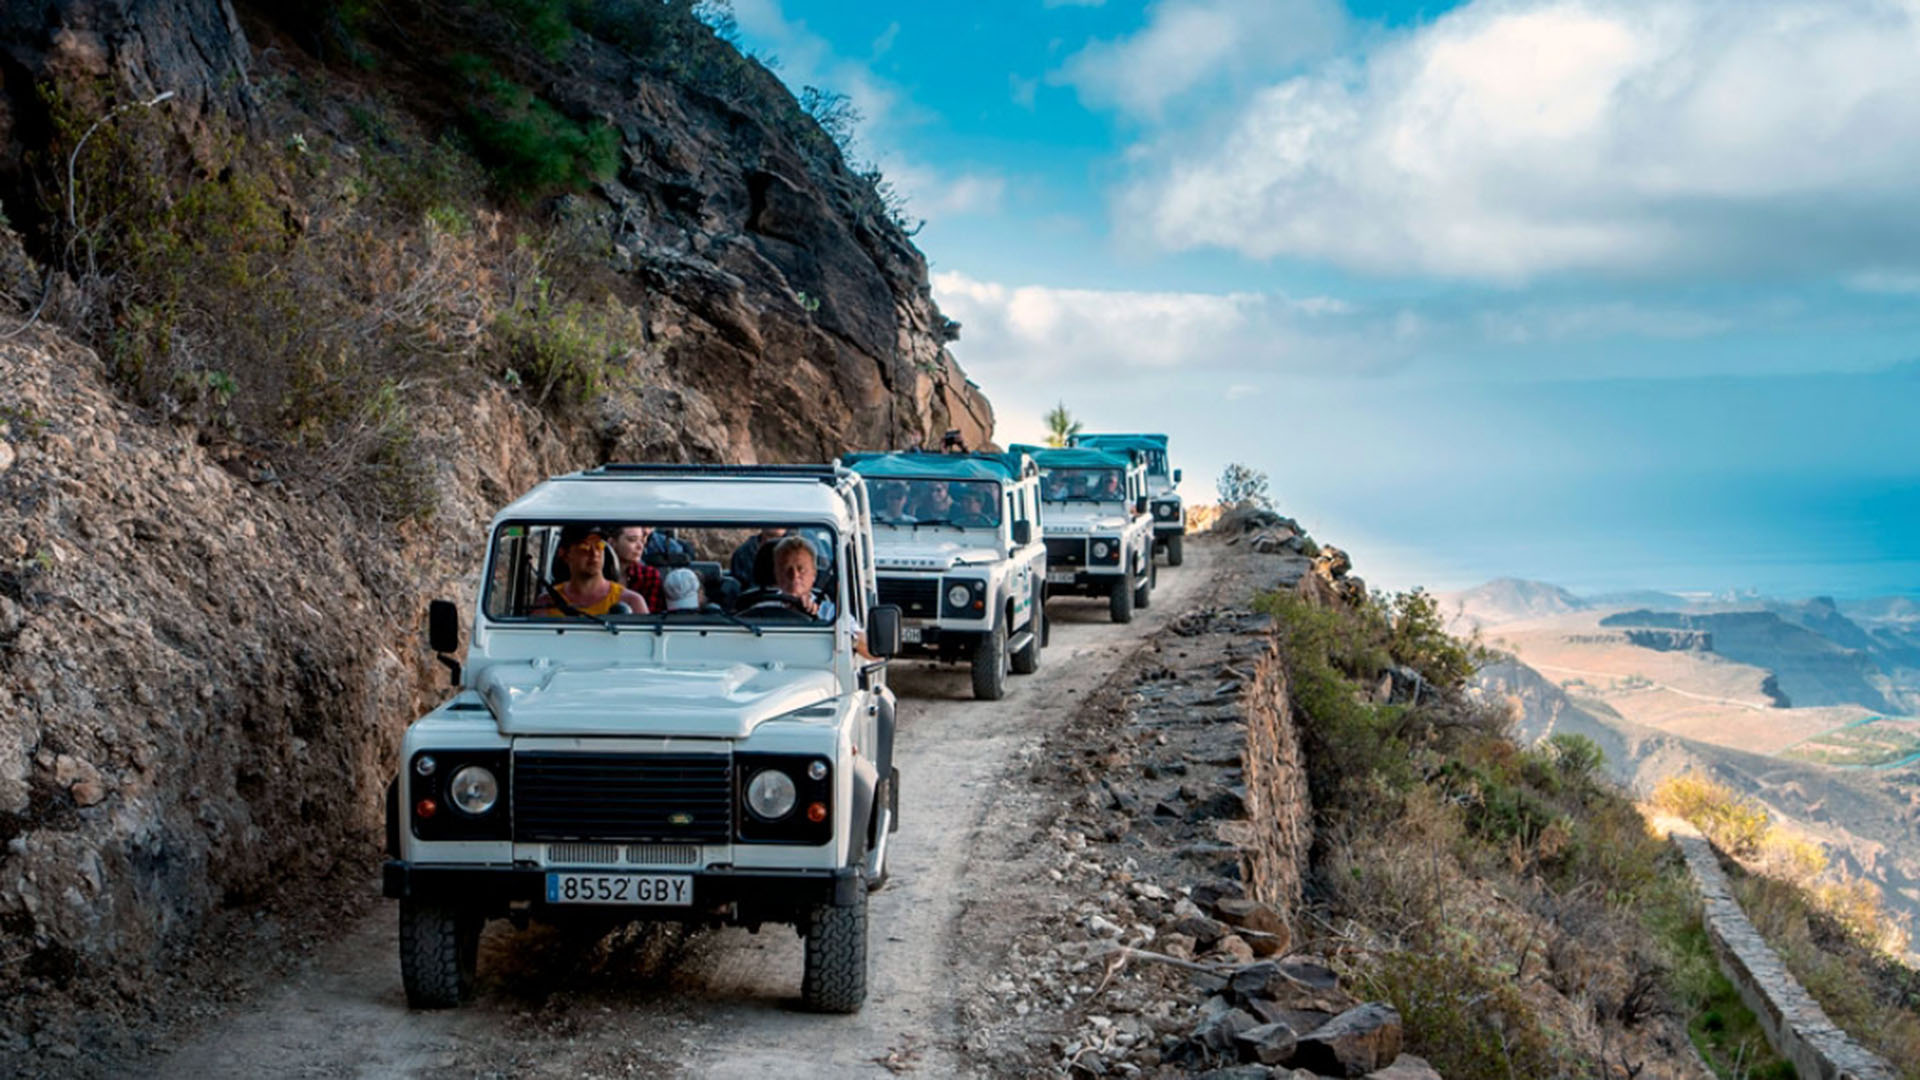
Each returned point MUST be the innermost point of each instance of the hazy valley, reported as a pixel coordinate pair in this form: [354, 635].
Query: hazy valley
[1812, 707]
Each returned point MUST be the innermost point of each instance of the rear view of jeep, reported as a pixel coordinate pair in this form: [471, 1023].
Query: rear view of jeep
[643, 738]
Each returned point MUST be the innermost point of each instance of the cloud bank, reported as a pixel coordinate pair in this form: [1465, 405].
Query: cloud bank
[1511, 139]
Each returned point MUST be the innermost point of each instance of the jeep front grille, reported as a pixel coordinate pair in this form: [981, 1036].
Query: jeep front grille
[1066, 551]
[583, 853]
[918, 598]
[663, 855]
[678, 798]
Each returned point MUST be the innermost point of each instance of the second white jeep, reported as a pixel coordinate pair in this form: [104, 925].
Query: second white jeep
[958, 550]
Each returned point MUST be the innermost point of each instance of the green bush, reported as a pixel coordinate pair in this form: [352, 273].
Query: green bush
[527, 146]
[567, 351]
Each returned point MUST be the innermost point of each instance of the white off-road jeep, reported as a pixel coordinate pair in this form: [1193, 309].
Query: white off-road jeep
[957, 543]
[1163, 498]
[722, 758]
[1093, 510]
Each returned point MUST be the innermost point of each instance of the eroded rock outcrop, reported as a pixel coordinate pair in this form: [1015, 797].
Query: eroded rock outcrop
[204, 673]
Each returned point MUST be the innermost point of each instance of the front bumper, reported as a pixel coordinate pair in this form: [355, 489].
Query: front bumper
[1170, 528]
[753, 893]
[938, 641]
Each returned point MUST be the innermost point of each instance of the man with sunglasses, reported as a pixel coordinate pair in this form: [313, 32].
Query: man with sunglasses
[586, 591]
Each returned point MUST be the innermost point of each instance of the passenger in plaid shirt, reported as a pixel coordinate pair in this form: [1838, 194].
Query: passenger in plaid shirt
[629, 546]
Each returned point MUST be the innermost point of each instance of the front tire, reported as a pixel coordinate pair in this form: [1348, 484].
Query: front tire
[1027, 660]
[1120, 600]
[1176, 553]
[990, 664]
[439, 953]
[835, 980]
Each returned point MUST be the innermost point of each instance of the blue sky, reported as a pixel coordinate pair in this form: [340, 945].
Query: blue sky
[1609, 292]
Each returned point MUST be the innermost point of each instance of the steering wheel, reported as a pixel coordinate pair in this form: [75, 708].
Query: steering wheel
[764, 597]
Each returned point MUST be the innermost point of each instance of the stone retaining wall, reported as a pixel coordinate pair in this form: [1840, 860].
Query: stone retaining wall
[1276, 779]
[1795, 1024]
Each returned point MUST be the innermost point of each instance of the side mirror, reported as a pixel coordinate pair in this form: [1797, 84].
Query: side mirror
[1176, 476]
[1140, 505]
[443, 634]
[883, 630]
[1023, 532]
[443, 626]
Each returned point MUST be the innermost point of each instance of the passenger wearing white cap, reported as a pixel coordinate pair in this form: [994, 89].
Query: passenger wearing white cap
[682, 587]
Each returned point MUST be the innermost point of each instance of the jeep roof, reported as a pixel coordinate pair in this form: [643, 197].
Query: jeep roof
[1115, 440]
[708, 494]
[924, 465]
[1048, 457]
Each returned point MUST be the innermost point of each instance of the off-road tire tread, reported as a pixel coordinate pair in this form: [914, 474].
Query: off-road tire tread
[1143, 596]
[1176, 549]
[990, 665]
[1120, 600]
[436, 965]
[835, 980]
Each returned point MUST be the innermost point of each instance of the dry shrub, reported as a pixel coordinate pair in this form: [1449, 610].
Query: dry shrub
[1731, 820]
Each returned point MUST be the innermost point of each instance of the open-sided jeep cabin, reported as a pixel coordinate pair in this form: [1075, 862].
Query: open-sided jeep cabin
[725, 756]
[1093, 511]
[957, 541]
[1163, 498]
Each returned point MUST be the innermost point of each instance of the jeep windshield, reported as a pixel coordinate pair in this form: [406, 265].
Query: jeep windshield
[619, 573]
[963, 504]
[1083, 485]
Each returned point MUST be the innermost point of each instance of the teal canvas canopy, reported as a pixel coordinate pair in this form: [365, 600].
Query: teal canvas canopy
[1048, 457]
[910, 465]
[1121, 442]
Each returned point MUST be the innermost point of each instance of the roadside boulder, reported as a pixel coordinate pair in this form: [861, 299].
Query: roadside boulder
[1268, 1044]
[1405, 1067]
[1355, 1043]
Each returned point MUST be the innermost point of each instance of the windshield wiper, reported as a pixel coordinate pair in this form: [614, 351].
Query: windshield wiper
[736, 620]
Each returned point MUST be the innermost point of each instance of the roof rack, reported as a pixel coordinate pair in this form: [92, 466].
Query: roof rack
[827, 473]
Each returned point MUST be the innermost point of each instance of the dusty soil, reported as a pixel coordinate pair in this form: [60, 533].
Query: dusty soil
[724, 1003]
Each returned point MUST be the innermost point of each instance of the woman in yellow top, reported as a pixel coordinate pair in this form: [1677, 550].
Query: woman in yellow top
[587, 590]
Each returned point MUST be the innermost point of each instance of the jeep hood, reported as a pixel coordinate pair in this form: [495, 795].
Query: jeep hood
[930, 550]
[700, 702]
[1071, 518]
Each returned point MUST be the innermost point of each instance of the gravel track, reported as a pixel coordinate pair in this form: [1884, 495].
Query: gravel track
[663, 1002]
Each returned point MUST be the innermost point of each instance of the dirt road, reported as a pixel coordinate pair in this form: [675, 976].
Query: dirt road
[715, 1003]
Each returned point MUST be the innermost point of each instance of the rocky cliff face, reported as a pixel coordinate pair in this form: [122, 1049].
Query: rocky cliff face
[204, 666]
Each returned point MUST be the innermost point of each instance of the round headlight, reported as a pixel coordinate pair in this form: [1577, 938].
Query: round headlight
[474, 789]
[770, 794]
[1099, 549]
[1166, 510]
[958, 595]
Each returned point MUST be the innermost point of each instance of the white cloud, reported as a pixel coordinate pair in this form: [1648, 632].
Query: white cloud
[1242, 390]
[1034, 332]
[1189, 43]
[1892, 283]
[1514, 138]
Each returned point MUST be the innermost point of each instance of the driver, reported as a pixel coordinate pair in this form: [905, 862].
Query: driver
[936, 503]
[583, 550]
[1110, 486]
[971, 502]
[795, 564]
[893, 505]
